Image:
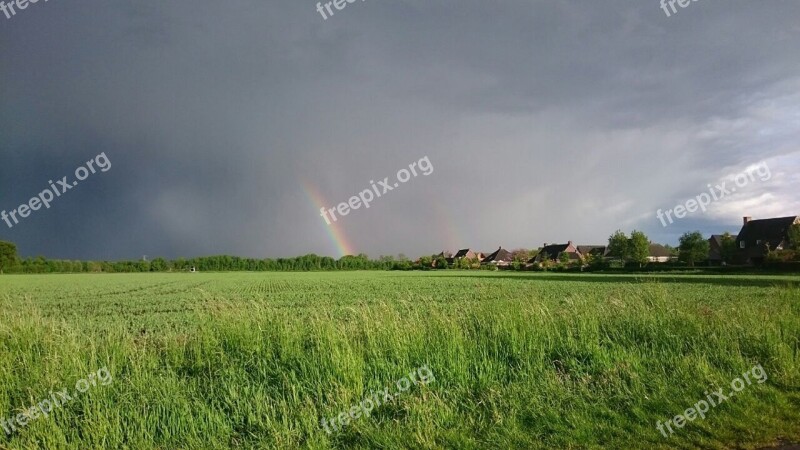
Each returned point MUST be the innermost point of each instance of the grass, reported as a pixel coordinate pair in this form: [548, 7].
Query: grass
[520, 360]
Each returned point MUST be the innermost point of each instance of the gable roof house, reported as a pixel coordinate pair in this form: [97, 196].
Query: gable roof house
[715, 248]
[553, 251]
[658, 253]
[596, 250]
[501, 257]
[469, 254]
[758, 236]
[444, 254]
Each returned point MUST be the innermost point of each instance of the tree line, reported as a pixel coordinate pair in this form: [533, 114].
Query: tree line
[622, 250]
[11, 263]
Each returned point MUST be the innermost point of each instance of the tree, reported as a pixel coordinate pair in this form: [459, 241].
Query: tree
[693, 248]
[158, 265]
[8, 255]
[441, 262]
[425, 262]
[618, 245]
[794, 237]
[563, 258]
[728, 248]
[639, 247]
[521, 255]
[591, 260]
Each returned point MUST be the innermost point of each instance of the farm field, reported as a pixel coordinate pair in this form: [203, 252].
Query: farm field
[539, 360]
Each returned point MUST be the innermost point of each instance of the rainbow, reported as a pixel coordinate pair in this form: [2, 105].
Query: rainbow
[335, 232]
[449, 229]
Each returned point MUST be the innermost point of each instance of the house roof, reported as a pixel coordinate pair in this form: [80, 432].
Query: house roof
[659, 251]
[500, 254]
[551, 251]
[592, 249]
[769, 231]
[717, 239]
[463, 253]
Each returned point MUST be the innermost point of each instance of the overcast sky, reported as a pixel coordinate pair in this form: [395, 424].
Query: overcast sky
[545, 121]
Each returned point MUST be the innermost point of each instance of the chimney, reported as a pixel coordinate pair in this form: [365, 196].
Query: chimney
[746, 219]
[545, 244]
[569, 242]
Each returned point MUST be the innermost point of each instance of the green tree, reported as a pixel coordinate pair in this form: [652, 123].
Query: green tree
[693, 248]
[618, 245]
[728, 249]
[158, 265]
[425, 262]
[794, 237]
[563, 258]
[441, 262]
[8, 255]
[521, 255]
[639, 248]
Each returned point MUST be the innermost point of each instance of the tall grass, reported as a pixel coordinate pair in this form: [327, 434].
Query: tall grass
[539, 361]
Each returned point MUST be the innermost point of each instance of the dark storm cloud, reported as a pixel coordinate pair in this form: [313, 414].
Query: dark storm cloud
[545, 121]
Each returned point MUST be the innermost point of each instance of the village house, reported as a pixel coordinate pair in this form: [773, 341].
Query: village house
[758, 237]
[552, 252]
[469, 254]
[715, 248]
[599, 251]
[500, 258]
[658, 253]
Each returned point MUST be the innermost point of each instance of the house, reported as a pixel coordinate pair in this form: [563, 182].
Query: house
[469, 254]
[447, 255]
[715, 248]
[658, 253]
[553, 251]
[501, 257]
[757, 237]
[594, 250]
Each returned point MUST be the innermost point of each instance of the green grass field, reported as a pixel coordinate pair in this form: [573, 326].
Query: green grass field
[248, 360]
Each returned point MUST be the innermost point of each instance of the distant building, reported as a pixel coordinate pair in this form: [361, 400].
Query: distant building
[467, 253]
[757, 237]
[501, 258]
[551, 252]
[447, 255]
[658, 253]
[715, 248]
[594, 250]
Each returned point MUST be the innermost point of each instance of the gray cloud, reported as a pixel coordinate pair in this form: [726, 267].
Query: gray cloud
[545, 121]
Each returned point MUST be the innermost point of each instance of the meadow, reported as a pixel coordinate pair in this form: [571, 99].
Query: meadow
[521, 360]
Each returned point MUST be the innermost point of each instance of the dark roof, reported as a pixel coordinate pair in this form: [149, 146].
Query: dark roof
[461, 253]
[773, 232]
[500, 254]
[592, 249]
[659, 251]
[550, 252]
[717, 238]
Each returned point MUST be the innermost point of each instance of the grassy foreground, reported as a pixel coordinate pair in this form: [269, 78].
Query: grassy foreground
[520, 360]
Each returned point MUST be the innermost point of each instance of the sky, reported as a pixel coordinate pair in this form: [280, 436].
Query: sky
[228, 125]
